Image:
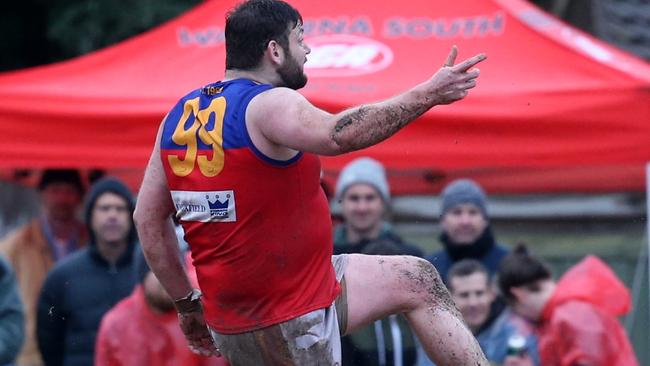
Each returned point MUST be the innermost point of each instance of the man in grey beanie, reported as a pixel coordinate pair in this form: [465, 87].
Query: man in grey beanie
[364, 195]
[466, 231]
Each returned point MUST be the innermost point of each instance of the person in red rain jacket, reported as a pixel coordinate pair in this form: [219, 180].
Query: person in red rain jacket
[143, 329]
[577, 316]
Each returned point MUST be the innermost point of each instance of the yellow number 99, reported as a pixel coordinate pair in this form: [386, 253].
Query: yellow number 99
[214, 138]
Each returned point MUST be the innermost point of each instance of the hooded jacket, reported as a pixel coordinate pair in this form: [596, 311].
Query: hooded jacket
[131, 334]
[579, 322]
[80, 289]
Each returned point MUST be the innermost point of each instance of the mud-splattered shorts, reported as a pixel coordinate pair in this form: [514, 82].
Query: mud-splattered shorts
[313, 339]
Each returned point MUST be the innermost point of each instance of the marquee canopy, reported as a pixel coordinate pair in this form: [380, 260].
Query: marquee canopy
[554, 110]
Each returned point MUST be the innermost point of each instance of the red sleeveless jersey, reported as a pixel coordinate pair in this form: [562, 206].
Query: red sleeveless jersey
[259, 229]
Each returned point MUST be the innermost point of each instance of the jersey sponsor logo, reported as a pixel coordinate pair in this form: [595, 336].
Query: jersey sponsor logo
[346, 55]
[205, 206]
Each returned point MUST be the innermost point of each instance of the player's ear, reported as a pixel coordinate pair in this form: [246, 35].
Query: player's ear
[274, 52]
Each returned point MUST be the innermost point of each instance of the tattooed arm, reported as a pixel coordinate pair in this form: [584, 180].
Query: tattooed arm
[281, 120]
[369, 124]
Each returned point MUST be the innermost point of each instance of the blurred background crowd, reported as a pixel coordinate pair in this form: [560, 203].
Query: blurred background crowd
[75, 289]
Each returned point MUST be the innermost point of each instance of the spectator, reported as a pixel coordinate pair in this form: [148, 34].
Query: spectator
[82, 288]
[466, 231]
[143, 329]
[490, 321]
[35, 247]
[364, 195]
[12, 329]
[577, 316]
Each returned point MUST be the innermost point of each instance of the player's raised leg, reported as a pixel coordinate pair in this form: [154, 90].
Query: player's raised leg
[381, 285]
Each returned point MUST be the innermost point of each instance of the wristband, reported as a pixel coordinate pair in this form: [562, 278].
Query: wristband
[190, 303]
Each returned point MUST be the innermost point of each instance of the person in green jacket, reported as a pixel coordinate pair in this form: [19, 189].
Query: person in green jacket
[364, 195]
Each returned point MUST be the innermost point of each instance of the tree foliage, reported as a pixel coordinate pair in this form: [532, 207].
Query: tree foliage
[35, 32]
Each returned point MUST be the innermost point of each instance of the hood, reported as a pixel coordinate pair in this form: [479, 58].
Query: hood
[591, 281]
[111, 185]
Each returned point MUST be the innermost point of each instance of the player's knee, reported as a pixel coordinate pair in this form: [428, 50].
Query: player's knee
[425, 282]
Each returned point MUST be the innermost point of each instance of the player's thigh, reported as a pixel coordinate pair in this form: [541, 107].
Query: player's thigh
[381, 285]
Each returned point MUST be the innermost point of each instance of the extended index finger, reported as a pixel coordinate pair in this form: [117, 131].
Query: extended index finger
[467, 64]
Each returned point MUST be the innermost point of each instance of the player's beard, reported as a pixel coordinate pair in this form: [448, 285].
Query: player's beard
[291, 74]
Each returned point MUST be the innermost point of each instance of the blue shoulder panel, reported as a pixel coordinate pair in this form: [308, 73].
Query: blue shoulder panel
[236, 94]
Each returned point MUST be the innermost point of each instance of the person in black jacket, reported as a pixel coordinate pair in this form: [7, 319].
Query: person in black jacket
[79, 290]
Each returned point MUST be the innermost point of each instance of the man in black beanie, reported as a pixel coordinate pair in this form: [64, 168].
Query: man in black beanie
[84, 286]
[466, 232]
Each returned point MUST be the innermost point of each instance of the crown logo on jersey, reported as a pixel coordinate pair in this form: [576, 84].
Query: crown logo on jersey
[217, 208]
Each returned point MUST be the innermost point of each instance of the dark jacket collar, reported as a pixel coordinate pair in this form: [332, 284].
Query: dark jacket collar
[476, 250]
[386, 232]
[123, 261]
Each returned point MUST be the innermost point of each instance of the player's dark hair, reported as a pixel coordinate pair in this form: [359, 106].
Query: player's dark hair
[521, 269]
[252, 25]
[464, 268]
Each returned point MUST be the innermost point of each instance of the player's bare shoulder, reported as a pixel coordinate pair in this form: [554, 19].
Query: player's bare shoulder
[275, 103]
[277, 108]
[284, 117]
